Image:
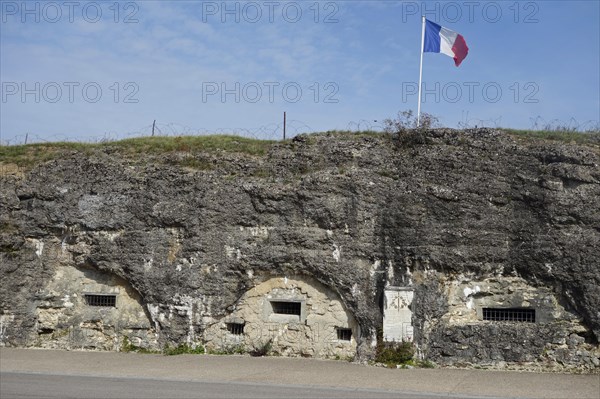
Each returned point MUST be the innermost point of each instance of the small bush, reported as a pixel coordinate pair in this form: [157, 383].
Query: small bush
[425, 364]
[183, 349]
[405, 127]
[406, 120]
[344, 358]
[262, 350]
[394, 353]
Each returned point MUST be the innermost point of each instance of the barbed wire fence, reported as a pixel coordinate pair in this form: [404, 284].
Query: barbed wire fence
[365, 125]
[274, 131]
[572, 125]
[469, 123]
[536, 124]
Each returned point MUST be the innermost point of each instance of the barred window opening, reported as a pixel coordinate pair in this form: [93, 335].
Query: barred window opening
[510, 314]
[292, 308]
[235, 328]
[344, 334]
[106, 300]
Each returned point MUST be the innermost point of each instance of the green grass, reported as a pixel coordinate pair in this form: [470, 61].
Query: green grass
[214, 143]
[347, 135]
[127, 346]
[195, 163]
[183, 349]
[394, 353]
[228, 350]
[425, 364]
[565, 136]
[29, 155]
[561, 135]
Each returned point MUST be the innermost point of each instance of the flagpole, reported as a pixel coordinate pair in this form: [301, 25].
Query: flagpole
[421, 70]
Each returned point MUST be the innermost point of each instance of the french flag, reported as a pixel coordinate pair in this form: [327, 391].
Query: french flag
[442, 40]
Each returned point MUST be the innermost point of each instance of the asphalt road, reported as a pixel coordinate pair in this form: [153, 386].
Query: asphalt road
[30, 386]
[30, 373]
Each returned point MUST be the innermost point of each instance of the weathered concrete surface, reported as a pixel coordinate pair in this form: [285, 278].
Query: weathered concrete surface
[356, 213]
[303, 373]
[311, 334]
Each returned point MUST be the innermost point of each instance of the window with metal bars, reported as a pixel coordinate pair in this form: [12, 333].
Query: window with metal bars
[294, 308]
[509, 314]
[344, 334]
[109, 300]
[235, 328]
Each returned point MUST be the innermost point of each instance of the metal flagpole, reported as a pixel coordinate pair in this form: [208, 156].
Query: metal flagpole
[421, 71]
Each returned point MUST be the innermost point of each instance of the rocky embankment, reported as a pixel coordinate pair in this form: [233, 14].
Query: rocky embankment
[467, 219]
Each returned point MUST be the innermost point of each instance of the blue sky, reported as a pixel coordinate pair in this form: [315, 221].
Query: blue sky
[91, 70]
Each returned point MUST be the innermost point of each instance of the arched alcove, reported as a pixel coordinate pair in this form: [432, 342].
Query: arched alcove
[293, 316]
[83, 308]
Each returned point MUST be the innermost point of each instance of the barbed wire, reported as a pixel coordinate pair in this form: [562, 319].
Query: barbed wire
[469, 123]
[572, 125]
[365, 125]
[537, 123]
[274, 131]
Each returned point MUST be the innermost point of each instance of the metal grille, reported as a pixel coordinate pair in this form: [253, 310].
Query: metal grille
[235, 328]
[287, 307]
[513, 314]
[101, 300]
[344, 334]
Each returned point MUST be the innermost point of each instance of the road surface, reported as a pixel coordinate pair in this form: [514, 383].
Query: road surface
[31, 373]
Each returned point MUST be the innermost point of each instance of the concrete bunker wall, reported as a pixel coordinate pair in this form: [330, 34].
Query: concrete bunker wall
[468, 298]
[82, 308]
[296, 316]
[524, 323]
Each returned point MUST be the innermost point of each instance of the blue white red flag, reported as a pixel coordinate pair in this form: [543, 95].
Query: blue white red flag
[442, 40]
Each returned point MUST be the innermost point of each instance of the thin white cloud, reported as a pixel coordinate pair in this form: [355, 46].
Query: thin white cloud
[173, 52]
